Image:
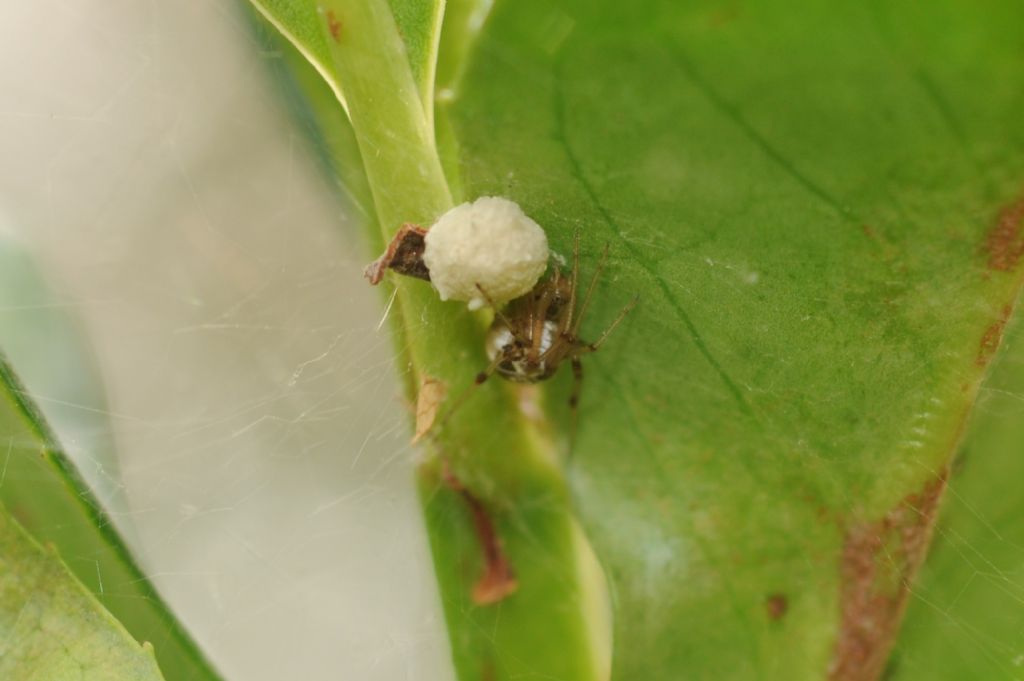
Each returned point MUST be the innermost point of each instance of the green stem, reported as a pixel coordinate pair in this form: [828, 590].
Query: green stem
[392, 129]
[493, 482]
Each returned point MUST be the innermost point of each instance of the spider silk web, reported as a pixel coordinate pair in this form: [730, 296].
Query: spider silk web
[244, 421]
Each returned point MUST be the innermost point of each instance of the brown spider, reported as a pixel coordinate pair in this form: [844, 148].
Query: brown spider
[526, 343]
[535, 333]
[530, 339]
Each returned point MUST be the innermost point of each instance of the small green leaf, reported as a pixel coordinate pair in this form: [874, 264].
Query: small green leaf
[966, 614]
[51, 627]
[419, 25]
[463, 20]
[41, 487]
[300, 24]
[369, 69]
[315, 28]
[53, 356]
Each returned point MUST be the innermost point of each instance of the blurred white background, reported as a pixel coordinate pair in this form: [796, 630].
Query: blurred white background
[154, 175]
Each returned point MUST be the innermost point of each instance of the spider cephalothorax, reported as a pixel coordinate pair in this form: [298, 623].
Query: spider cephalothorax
[528, 339]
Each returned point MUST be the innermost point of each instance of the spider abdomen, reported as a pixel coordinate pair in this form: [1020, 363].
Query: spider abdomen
[520, 357]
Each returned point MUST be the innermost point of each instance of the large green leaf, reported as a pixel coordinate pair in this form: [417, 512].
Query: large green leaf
[51, 627]
[820, 207]
[809, 200]
[42, 488]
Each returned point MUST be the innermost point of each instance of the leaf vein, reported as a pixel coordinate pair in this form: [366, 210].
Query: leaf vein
[576, 169]
[730, 111]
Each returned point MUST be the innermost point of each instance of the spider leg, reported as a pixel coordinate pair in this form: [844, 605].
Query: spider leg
[567, 324]
[493, 306]
[480, 379]
[574, 401]
[488, 372]
[514, 330]
[596, 344]
[538, 316]
[590, 291]
[555, 287]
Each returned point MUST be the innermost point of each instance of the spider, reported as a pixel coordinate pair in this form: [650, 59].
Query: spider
[537, 332]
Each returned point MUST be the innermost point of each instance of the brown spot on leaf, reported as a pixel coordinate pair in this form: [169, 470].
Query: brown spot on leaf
[878, 561]
[404, 255]
[991, 338]
[333, 25]
[498, 580]
[776, 605]
[1005, 242]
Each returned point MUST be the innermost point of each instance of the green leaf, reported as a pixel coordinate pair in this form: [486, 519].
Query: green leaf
[370, 70]
[967, 608]
[315, 28]
[51, 627]
[419, 26]
[54, 357]
[820, 207]
[809, 202]
[300, 23]
[42, 488]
